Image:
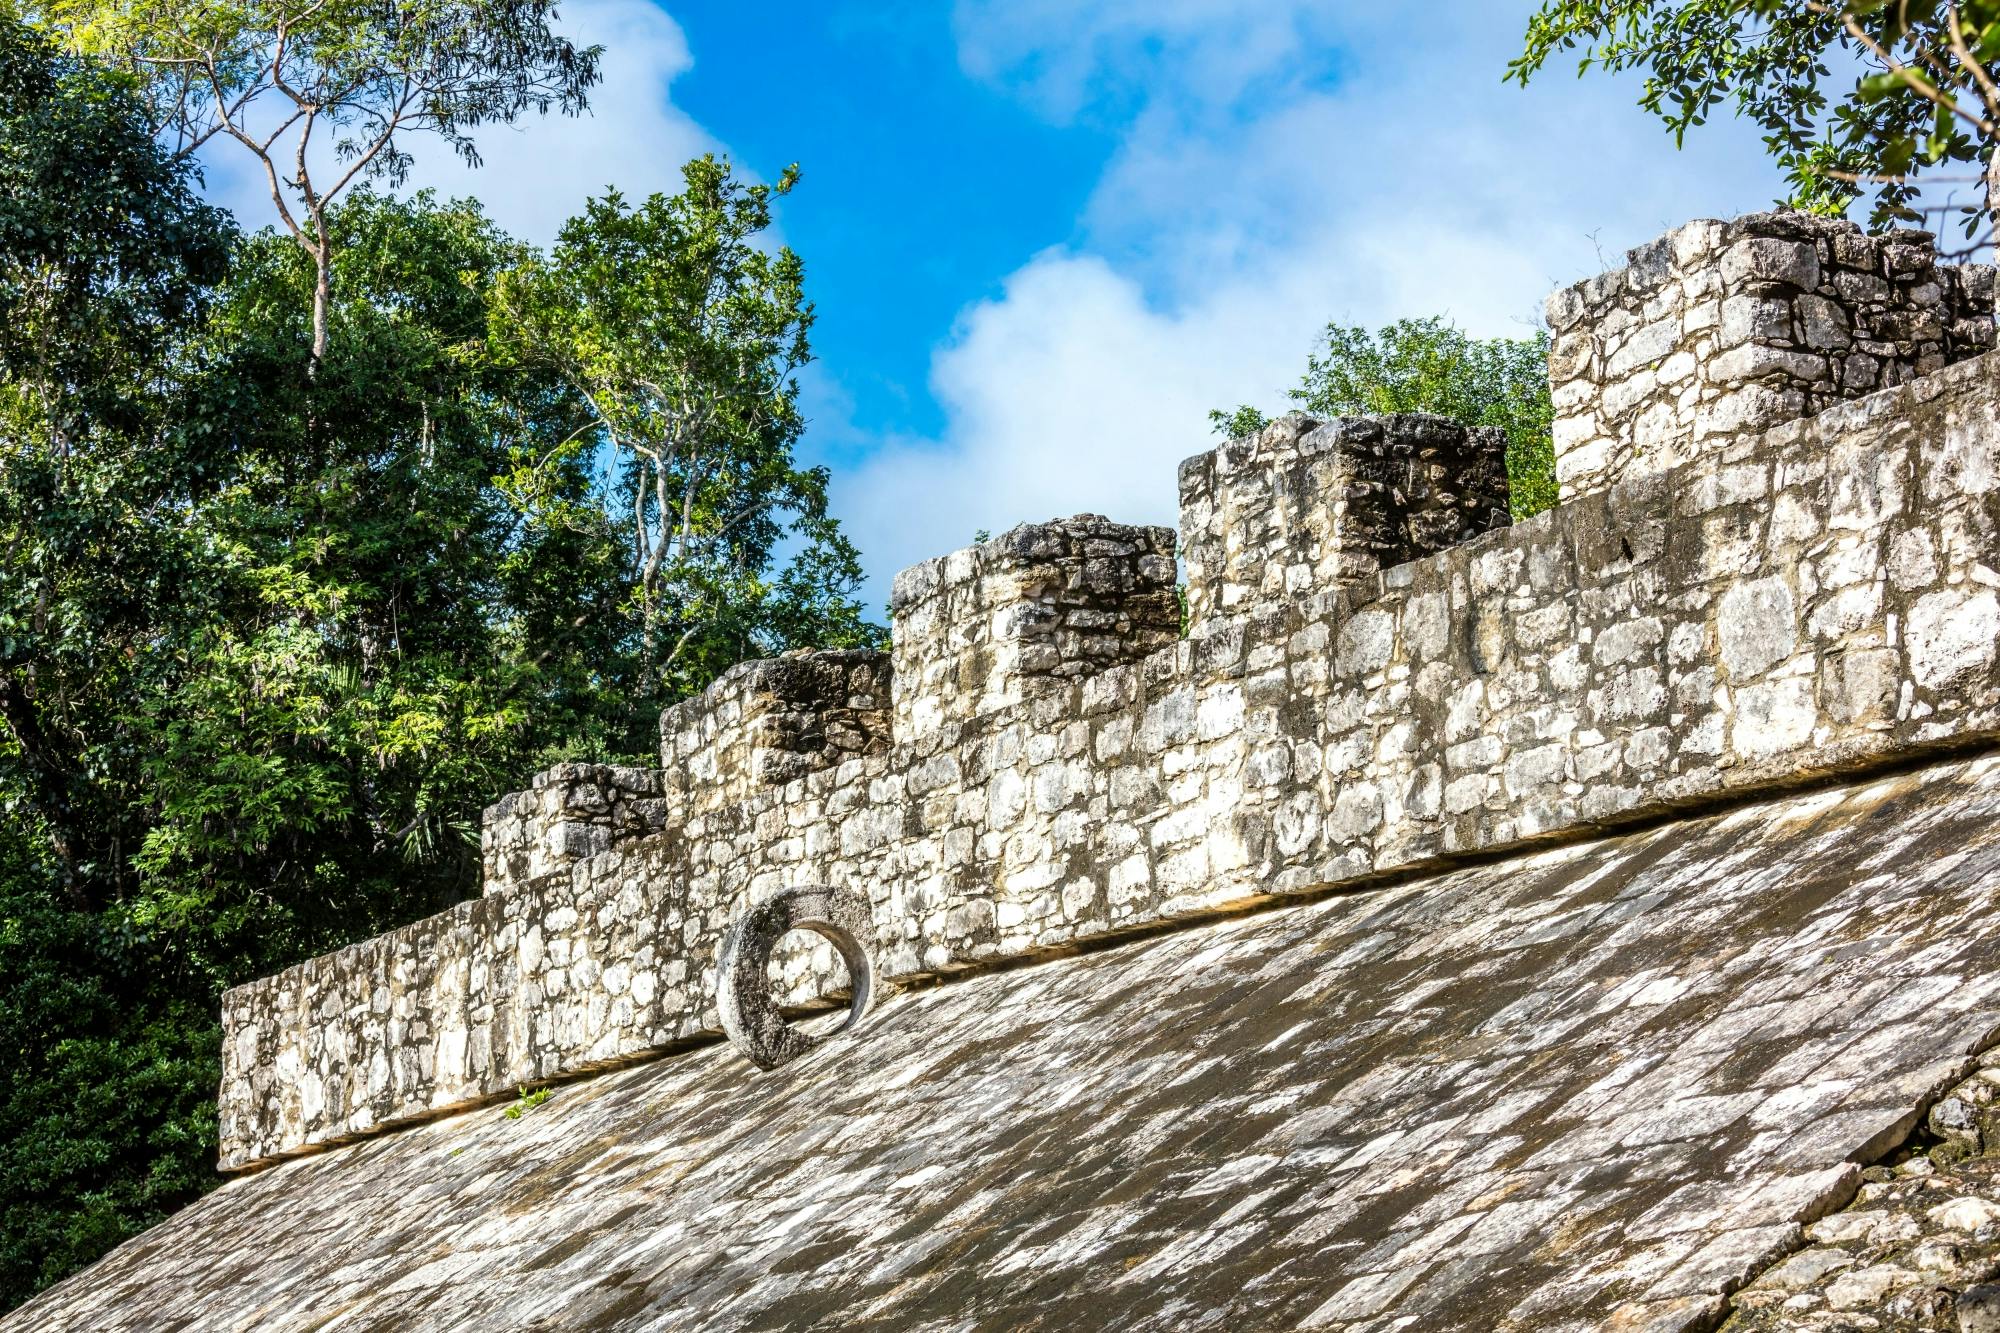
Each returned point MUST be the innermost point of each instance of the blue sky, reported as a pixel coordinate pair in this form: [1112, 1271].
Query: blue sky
[1045, 236]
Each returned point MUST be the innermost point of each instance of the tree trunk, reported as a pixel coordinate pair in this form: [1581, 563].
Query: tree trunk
[1993, 190]
[322, 297]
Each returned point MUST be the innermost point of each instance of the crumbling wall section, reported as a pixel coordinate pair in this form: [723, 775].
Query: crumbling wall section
[1305, 505]
[1029, 612]
[763, 724]
[1719, 329]
[569, 813]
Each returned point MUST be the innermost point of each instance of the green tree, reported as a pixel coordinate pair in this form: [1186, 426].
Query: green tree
[682, 336]
[106, 255]
[107, 1115]
[324, 93]
[418, 598]
[1856, 98]
[286, 599]
[271, 648]
[107, 260]
[1428, 365]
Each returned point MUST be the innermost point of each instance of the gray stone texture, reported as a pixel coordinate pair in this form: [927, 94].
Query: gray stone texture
[1306, 505]
[1817, 598]
[1026, 615]
[1718, 328]
[744, 994]
[570, 813]
[1918, 1247]
[1589, 1087]
[763, 724]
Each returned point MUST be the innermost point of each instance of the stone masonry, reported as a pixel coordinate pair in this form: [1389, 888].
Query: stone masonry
[1721, 328]
[569, 814]
[1815, 598]
[1305, 504]
[1918, 1248]
[1025, 615]
[763, 724]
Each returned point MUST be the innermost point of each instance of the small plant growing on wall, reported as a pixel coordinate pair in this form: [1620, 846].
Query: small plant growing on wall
[528, 1101]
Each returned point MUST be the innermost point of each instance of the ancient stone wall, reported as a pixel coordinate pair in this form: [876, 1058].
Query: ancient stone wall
[568, 814]
[1718, 328]
[1817, 597]
[1305, 504]
[1591, 1087]
[1027, 613]
[763, 724]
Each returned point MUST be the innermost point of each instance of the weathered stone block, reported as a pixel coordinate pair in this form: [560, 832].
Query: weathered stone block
[771, 721]
[1308, 506]
[1765, 319]
[570, 812]
[1030, 611]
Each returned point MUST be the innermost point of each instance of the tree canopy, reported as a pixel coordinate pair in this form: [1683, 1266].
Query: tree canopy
[1857, 99]
[682, 338]
[324, 94]
[1429, 365]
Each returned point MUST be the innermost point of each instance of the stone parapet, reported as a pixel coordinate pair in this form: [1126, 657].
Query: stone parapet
[1028, 612]
[570, 812]
[1305, 505]
[766, 723]
[1818, 598]
[1721, 328]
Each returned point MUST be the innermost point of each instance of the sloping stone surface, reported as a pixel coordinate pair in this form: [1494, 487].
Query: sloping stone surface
[1600, 1086]
[1919, 1248]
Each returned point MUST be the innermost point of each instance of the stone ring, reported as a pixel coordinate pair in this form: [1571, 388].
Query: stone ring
[743, 984]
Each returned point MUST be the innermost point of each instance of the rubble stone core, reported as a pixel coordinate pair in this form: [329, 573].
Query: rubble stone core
[1304, 505]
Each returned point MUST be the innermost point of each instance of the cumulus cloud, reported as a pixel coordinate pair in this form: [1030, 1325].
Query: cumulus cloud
[538, 172]
[1067, 58]
[1269, 177]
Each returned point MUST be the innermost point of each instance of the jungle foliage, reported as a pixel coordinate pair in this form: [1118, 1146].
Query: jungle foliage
[1429, 365]
[1858, 100]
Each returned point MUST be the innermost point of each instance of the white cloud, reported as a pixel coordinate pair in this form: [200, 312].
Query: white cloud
[1249, 202]
[1040, 427]
[538, 172]
[1066, 57]
[1071, 393]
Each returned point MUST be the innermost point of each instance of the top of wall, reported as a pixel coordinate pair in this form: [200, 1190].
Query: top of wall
[1718, 329]
[1306, 505]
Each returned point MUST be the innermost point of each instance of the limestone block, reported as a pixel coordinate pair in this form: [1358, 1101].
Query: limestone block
[1806, 312]
[1310, 505]
[768, 722]
[1028, 612]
